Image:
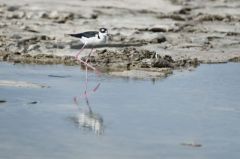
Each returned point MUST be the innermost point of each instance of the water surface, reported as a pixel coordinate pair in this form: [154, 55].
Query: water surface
[141, 119]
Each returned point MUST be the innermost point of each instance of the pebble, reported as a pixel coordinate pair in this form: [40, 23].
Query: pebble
[12, 8]
[33, 102]
[53, 15]
[15, 15]
[2, 101]
[33, 47]
[191, 144]
[159, 39]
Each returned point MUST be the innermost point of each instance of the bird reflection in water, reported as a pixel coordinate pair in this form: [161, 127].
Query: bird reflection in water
[88, 119]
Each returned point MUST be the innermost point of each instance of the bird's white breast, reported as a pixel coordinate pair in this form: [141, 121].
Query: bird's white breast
[94, 40]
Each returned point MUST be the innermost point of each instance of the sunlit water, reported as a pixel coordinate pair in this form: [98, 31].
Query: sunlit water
[141, 120]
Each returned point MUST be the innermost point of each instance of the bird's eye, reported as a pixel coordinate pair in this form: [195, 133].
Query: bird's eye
[103, 30]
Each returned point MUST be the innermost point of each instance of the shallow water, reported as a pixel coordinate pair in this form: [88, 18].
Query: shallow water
[141, 119]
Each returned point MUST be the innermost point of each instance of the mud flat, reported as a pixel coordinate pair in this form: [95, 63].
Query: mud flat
[22, 84]
[182, 33]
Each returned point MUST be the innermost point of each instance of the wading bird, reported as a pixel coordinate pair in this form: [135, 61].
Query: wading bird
[90, 39]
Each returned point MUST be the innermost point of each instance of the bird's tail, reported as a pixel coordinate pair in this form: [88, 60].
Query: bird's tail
[74, 35]
[68, 35]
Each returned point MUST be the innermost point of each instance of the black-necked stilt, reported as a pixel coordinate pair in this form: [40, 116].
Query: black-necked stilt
[90, 38]
[93, 37]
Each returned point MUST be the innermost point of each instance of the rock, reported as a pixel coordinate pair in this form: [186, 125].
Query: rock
[3, 25]
[33, 102]
[53, 15]
[174, 16]
[30, 15]
[12, 8]
[30, 29]
[187, 62]
[33, 47]
[45, 37]
[65, 17]
[43, 14]
[163, 28]
[159, 29]
[13, 48]
[168, 58]
[15, 15]
[146, 63]
[57, 16]
[94, 16]
[160, 63]
[34, 39]
[2, 101]
[210, 17]
[15, 36]
[191, 144]
[235, 59]
[57, 45]
[185, 10]
[159, 39]
[59, 76]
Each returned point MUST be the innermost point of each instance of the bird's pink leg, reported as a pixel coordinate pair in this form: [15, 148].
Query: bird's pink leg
[80, 50]
[86, 93]
[86, 83]
[84, 62]
[86, 68]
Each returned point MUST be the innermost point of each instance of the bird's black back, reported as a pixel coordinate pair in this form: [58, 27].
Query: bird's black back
[87, 34]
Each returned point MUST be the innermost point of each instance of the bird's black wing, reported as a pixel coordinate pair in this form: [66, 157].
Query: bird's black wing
[87, 34]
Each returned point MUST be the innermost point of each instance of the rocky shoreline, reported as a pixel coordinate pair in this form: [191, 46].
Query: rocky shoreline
[182, 34]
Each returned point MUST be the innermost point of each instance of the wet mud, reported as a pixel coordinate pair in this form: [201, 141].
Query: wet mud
[179, 33]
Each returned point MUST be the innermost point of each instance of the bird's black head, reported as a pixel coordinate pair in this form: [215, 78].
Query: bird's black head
[103, 30]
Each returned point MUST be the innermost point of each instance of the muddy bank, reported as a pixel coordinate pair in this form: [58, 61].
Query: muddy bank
[181, 30]
[8, 83]
[129, 62]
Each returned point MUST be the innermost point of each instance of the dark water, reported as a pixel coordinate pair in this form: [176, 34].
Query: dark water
[140, 119]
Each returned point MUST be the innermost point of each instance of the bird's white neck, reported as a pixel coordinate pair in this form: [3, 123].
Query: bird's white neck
[103, 36]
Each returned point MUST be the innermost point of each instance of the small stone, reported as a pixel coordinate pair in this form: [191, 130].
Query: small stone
[64, 18]
[235, 59]
[164, 28]
[33, 102]
[12, 8]
[168, 58]
[15, 15]
[53, 15]
[33, 47]
[15, 36]
[30, 15]
[42, 15]
[94, 16]
[27, 28]
[191, 144]
[146, 63]
[159, 29]
[185, 10]
[3, 25]
[159, 39]
[13, 48]
[160, 62]
[58, 45]
[2, 101]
